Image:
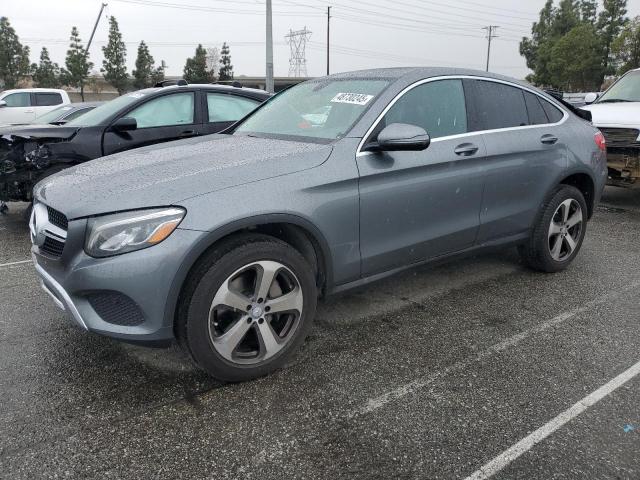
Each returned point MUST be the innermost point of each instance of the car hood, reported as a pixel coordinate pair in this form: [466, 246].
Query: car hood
[38, 131]
[165, 174]
[615, 113]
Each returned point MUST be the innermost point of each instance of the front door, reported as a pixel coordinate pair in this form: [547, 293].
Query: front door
[160, 119]
[420, 205]
[18, 108]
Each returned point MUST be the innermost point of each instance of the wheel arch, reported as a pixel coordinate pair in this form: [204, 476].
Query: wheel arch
[584, 182]
[297, 231]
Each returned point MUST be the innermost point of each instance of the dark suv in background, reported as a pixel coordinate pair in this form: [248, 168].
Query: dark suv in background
[29, 154]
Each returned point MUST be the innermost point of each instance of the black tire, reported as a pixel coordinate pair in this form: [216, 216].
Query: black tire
[214, 269]
[26, 215]
[536, 253]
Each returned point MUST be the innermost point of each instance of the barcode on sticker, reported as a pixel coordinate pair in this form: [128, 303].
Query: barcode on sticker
[354, 98]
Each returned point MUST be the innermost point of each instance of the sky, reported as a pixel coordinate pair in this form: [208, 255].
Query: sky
[364, 34]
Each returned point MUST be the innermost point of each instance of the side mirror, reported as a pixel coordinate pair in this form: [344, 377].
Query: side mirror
[3, 103]
[402, 136]
[590, 97]
[124, 124]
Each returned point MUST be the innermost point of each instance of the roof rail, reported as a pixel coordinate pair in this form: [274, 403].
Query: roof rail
[167, 83]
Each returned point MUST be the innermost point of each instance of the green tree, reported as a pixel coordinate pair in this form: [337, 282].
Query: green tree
[195, 70]
[610, 22]
[226, 68]
[625, 49]
[157, 75]
[588, 10]
[576, 60]
[144, 67]
[77, 63]
[14, 57]
[46, 74]
[535, 50]
[114, 65]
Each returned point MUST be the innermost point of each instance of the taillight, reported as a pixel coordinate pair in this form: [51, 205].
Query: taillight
[600, 141]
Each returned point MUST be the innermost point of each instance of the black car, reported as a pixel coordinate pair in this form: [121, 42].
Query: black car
[29, 153]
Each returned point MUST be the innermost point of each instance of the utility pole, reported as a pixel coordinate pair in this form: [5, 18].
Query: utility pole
[269, 73]
[328, 24]
[93, 32]
[490, 34]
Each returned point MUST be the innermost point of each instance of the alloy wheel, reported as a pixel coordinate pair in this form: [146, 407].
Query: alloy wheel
[255, 312]
[565, 230]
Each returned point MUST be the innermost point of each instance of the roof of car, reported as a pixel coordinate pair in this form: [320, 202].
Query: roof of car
[421, 72]
[208, 86]
[35, 90]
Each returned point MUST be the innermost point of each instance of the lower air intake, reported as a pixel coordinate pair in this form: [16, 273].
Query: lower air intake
[115, 308]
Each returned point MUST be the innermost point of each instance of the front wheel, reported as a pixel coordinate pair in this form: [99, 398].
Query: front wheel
[559, 231]
[247, 307]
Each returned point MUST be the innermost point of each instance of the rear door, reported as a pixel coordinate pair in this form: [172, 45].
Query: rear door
[221, 110]
[18, 108]
[525, 152]
[419, 205]
[160, 119]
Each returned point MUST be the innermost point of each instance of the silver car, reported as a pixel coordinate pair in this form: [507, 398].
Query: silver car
[226, 242]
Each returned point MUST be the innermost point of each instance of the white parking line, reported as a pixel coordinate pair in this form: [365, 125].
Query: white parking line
[10, 264]
[409, 388]
[505, 458]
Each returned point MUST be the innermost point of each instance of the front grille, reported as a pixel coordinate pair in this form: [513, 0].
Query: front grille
[115, 308]
[57, 218]
[621, 137]
[52, 246]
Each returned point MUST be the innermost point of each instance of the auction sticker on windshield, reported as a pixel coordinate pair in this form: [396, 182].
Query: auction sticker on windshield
[354, 98]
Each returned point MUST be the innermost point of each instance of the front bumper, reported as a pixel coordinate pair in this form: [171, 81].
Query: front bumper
[142, 281]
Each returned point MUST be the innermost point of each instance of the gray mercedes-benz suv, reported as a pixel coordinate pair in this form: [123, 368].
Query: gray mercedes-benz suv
[226, 242]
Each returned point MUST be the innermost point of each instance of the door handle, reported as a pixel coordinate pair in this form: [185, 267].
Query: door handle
[548, 139]
[188, 133]
[465, 149]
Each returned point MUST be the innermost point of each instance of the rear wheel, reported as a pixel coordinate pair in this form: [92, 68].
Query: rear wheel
[559, 231]
[247, 307]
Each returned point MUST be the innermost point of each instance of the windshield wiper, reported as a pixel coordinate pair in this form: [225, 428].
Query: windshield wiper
[614, 100]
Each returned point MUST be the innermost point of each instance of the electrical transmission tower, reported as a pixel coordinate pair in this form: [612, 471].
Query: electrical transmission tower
[297, 41]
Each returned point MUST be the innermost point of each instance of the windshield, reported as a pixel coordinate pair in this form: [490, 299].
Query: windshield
[99, 115]
[53, 115]
[627, 89]
[321, 110]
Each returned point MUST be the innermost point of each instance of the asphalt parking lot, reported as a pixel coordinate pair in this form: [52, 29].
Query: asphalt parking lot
[435, 373]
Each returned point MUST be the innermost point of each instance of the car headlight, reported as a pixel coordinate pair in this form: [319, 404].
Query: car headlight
[129, 231]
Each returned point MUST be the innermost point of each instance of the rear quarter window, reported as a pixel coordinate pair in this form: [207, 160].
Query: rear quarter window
[554, 113]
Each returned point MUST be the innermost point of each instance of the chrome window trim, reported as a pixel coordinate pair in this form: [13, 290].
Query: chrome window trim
[360, 153]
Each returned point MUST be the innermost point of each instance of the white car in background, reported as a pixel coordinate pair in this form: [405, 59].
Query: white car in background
[616, 113]
[24, 105]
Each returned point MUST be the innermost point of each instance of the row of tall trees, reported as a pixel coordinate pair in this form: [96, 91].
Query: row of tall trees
[576, 44]
[14, 63]
[209, 66]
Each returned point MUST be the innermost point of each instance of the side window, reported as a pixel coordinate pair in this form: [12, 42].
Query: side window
[48, 99]
[228, 108]
[535, 110]
[436, 106]
[168, 110]
[18, 100]
[496, 105]
[554, 114]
